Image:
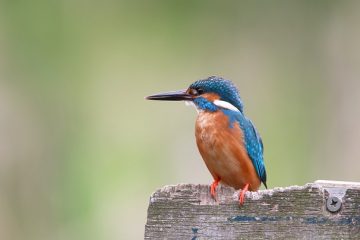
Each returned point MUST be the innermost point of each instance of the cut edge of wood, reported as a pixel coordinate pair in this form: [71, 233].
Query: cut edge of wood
[338, 183]
[228, 193]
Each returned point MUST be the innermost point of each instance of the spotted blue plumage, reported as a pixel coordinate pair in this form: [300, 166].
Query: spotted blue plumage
[252, 141]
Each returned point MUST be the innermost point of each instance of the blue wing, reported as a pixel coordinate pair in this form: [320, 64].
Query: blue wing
[252, 140]
[255, 149]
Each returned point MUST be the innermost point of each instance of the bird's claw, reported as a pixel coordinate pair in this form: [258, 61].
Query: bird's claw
[213, 188]
[242, 194]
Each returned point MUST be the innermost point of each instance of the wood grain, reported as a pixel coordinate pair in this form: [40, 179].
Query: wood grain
[187, 211]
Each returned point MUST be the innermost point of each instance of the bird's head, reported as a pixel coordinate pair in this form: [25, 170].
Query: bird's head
[206, 94]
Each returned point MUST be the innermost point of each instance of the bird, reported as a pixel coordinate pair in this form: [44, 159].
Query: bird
[227, 140]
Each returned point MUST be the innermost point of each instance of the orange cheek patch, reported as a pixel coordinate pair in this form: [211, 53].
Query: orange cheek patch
[211, 96]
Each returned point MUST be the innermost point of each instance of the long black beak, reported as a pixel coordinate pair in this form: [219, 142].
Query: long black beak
[180, 95]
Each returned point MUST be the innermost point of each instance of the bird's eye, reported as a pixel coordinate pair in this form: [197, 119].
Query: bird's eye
[196, 92]
[193, 92]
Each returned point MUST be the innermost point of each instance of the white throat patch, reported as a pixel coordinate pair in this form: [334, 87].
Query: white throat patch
[191, 103]
[226, 105]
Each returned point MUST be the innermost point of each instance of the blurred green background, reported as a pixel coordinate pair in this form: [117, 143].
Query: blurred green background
[81, 150]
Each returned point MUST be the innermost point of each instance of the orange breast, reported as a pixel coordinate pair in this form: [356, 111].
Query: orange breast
[223, 150]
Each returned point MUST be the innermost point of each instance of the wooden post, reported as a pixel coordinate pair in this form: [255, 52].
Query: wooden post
[320, 210]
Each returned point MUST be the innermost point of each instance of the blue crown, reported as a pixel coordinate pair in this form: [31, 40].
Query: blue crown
[224, 88]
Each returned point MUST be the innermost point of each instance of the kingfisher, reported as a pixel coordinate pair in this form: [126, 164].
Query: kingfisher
[228, 141]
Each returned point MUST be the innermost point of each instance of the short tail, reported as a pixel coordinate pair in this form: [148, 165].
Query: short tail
[263, 179]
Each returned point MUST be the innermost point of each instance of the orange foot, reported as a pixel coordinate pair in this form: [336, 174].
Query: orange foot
[242, 194]
[213, 188]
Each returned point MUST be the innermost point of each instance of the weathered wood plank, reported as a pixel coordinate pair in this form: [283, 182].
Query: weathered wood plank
[187, 211]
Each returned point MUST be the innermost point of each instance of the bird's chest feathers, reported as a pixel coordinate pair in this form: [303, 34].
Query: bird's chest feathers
[221, 144]
[213, 132]
[207, 127]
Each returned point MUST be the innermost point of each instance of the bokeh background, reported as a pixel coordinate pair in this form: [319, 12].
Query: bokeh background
[81, 150]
